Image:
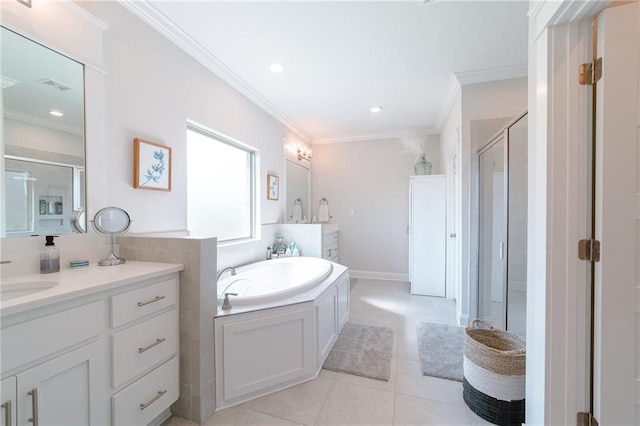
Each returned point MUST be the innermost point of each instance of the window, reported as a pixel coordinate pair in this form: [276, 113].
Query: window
[220, 185]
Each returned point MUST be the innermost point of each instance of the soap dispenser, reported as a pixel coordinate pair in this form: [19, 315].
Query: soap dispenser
[49, 257]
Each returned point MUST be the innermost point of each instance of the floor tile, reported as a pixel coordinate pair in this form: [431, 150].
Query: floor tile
[411, 381]
[253, 418]
[300, 403]
[349, 404]
[410, 410]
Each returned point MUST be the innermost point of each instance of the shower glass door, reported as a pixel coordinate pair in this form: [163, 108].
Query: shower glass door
[492, 230]
[517, 228]
[502, 232]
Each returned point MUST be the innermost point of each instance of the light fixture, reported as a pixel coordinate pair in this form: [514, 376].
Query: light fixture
[25, 2]
[303, 154]
[56, 113]
[376, 108]
[277, 67]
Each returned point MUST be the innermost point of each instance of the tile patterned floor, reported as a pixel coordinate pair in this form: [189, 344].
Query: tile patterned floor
[408, 398]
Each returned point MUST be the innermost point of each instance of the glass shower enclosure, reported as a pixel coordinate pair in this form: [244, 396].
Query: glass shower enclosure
[502, 232]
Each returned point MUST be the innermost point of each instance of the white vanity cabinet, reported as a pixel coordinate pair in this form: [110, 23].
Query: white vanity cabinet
[8, 401]
[59, 391]
[330, 243]
[108, 356]
[145, 350]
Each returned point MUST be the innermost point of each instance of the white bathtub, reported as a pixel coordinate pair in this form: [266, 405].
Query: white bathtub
[273, 280]
[281, 327]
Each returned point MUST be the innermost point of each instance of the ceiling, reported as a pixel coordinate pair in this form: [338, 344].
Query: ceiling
[343, 57]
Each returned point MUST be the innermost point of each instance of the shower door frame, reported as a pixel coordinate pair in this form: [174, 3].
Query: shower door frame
[502, 134]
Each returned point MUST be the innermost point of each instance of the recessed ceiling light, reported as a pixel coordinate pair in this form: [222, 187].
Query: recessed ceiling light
[56, 113]
[277, 67]
[376, 109]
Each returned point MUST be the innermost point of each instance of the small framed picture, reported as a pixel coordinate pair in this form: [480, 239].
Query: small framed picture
[151, 165]
[273, 187]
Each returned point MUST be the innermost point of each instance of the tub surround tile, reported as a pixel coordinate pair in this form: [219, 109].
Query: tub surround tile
[197, 396]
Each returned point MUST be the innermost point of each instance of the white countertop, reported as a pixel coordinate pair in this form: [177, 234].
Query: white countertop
[74, 283]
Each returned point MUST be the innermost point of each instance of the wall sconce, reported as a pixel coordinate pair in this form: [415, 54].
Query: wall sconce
[304, 155]
[25, 2]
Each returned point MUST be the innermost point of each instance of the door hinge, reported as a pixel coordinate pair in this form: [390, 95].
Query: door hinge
[589, 250]
[587, 419]
[590, 72]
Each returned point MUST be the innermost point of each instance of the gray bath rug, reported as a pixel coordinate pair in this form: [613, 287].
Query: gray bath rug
[441, 349]
[362, 350]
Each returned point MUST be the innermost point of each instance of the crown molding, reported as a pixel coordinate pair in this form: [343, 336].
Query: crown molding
[101, 25]
[377, 136]
[42, 122]
[492, 74]
[144, 10]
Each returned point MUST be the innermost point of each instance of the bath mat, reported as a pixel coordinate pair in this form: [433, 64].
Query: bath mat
[441, 349]
[362, 350]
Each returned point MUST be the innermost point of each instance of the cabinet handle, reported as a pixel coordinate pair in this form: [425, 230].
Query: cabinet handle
[155, 299]
[34, 406]
[152, 400]
[7, 412]
[146, 348]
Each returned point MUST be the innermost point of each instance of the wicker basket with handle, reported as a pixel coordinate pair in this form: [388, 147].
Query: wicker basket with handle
[494, 374]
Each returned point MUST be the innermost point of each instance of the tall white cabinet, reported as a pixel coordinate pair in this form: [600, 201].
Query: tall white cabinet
[427, 235]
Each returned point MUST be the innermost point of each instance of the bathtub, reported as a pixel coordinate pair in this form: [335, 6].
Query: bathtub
[273, 280]
[280, 328]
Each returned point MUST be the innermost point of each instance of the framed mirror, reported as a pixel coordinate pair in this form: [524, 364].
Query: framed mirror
[297, 189]
[43, 168]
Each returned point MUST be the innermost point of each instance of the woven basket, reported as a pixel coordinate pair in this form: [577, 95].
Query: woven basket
[493, 385]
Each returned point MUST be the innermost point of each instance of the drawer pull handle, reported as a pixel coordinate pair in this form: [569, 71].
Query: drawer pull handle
[152, 400]
[34, 406]
[155, 299]
[146, 348]
[7, 412]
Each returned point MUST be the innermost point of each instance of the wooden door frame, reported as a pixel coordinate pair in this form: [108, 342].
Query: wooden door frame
[558, 195]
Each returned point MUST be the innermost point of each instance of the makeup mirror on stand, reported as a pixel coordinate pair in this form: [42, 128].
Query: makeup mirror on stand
[111, 221]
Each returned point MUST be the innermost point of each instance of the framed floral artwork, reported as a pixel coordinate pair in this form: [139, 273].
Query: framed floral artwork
[273, 187]
[151, 165]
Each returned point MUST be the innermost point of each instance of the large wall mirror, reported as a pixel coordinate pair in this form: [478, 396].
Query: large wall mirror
[296, 195]
[43, 147]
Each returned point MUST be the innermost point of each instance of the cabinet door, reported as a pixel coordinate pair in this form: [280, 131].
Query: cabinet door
[344, 293]
[67, 390]
[8, 401]
[326, 324]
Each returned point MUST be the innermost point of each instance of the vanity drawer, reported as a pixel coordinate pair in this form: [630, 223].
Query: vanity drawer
[138, 348]
[50, 334]
[143, 400]
[137, 303]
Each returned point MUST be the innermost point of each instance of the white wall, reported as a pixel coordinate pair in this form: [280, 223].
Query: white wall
[372, 179]
[480, 101]
[149, 88]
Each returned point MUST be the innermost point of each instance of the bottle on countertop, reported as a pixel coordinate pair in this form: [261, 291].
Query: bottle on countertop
[49, 257]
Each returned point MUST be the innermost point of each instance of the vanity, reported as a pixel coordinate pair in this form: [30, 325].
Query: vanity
[99, 347]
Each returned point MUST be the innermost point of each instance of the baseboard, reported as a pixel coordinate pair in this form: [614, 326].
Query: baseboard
[372, 275]
[463, 320]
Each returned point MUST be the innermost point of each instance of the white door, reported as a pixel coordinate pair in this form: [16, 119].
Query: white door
[428, 235]
[617, 299]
